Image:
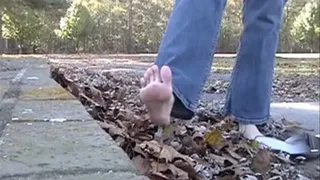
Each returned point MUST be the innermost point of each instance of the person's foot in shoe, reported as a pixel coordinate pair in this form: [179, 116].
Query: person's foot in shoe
[156, 93]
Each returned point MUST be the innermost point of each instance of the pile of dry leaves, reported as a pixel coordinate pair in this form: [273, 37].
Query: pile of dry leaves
[293, 88]
[208, 147]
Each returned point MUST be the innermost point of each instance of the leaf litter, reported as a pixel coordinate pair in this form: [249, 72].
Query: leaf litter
[207, 147]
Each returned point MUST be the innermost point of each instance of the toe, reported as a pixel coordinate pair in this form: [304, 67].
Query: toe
[142, 82]
[150, 75]
[166, 75]
[156, 74]
[146, 78]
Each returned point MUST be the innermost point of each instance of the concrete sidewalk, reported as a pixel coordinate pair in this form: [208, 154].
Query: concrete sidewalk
[305, 113]
[46, 134]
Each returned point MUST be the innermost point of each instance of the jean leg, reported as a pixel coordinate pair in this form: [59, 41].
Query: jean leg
[187, 48]
[249, 94]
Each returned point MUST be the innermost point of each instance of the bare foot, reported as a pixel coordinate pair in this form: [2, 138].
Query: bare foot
[156, 94]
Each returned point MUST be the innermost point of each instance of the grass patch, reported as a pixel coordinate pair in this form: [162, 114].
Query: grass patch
[283, 66]
[46, 94]
[20, 56]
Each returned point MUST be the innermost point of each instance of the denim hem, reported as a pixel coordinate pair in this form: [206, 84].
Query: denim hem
[184, 101]
[255, 121]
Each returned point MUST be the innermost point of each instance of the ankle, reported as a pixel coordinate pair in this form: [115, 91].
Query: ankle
[180, 111]
[249, 131]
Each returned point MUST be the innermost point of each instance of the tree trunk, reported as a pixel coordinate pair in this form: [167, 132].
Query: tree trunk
[130, 18]
[34, 49]
[2, 41]
[20, 47]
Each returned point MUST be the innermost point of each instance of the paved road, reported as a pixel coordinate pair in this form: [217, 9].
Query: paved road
[46, 134]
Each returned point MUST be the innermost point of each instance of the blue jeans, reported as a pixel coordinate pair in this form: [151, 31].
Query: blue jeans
[189, 44]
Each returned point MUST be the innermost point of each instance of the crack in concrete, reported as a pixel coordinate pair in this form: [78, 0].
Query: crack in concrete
[10, 99]
[67, 172]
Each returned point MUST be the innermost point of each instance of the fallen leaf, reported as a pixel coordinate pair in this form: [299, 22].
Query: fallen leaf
[233, 154]
[111, 129]
[137, 149]
[169, 154]
[261, 163]
[143, 136]
[164, 152]
[180, 130]
[158, 176]
[186, 167]
[214, 137]
[167, 130]
[141, 164]
[218, 159]
[284, 160]
[254, 144]
[169, 170]
[209, 144]
[230, 159]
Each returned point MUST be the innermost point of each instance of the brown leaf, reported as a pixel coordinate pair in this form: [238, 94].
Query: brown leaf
[228, 177]
[174, 171]
[197, 137]
[190, 146]
[87, 101]
[151, 147]
[111, 129]
[143, 136]
[73, 89]
[245, 148]
[283, 159]
[125, 115]
[241, 170]
[222, 161]
[180, 130]
[236, 171]
[121, 94]
[233, 154]
[138, 150]
[113, 98]
[95, 94]
[169, 154]
[158, 176]
[186, 167]
[261, 163]
[230, 159]
[141, 164]
[119, 140]
[165, 152]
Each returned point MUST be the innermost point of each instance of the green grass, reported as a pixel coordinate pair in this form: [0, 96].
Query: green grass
[283, 66]
[46, 94]
[20, 57]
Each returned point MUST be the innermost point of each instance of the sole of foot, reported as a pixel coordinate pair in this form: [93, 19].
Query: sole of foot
[156, 94]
